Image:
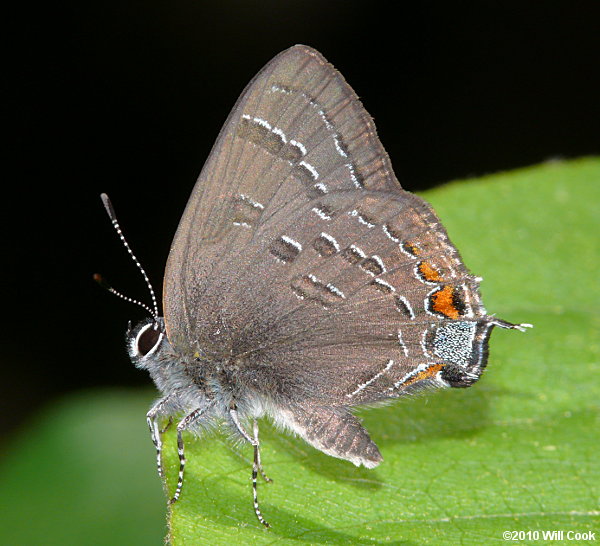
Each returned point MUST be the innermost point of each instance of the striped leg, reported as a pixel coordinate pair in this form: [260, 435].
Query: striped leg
[184, 424]
[256, 462]
[167, 426]
[260, 467]
[152, 418]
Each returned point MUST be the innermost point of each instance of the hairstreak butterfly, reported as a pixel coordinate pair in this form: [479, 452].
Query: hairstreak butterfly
[303, 281]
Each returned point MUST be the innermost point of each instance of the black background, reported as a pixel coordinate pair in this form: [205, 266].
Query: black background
[128, 97]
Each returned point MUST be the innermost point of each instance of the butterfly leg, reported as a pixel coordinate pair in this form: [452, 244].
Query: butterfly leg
[152, 418]
[256, 462]
[260, 467]
[167, 426]
[184, 424]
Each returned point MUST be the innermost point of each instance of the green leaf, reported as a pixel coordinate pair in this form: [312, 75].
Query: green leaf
[83, 473]
[517, 452]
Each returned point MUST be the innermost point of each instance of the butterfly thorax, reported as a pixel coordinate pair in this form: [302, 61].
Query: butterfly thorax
[192, 380]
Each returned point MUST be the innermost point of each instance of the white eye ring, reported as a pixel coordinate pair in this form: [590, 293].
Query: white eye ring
[136, 342]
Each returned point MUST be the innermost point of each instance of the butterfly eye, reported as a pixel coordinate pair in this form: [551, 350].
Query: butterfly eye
[148, 339]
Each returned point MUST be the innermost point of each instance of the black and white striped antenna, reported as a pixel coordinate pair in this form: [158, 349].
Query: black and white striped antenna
[102, 281]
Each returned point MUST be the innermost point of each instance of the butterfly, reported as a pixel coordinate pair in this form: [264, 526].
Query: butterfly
[303, 281]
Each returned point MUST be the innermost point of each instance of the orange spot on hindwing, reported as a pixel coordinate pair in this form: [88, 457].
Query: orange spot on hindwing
[429, 273]
[425, 374]
[447, 301]
[411, 249]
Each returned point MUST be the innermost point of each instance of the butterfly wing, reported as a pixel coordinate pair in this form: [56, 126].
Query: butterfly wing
[296, 132]
[302, 263]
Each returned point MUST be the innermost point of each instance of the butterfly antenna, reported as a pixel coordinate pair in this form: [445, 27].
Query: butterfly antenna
[104, 284]
[113, 218]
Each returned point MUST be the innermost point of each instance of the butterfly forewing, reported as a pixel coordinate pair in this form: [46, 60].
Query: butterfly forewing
[297, 131]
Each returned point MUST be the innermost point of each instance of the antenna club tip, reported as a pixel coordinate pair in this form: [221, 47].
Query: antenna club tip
[101, 280]
[108, 206]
